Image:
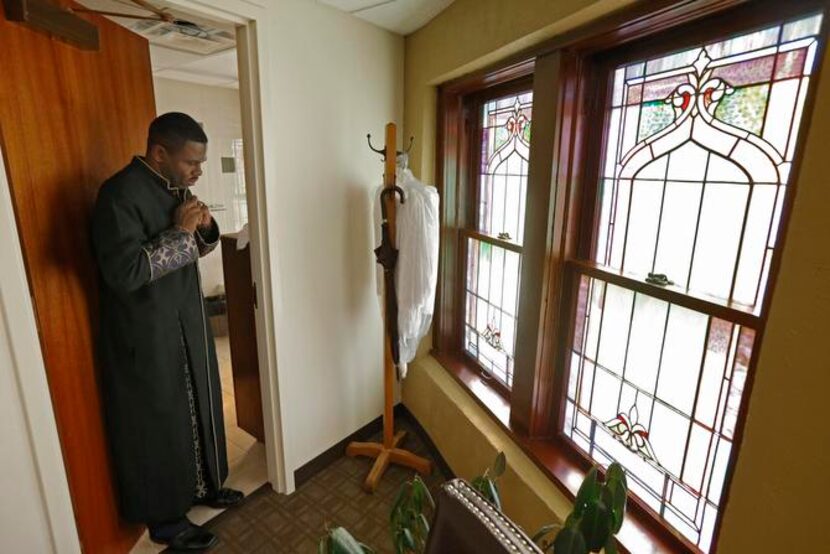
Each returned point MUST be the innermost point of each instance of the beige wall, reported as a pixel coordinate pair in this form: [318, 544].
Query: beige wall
[782, 473]
[217, 109]
[469, 440]
[334, 78]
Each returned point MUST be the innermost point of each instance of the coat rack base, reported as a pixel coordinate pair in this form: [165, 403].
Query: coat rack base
[384, 456]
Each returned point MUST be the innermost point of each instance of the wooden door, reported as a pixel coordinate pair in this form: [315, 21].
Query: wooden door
[68, 120]
[239, 292]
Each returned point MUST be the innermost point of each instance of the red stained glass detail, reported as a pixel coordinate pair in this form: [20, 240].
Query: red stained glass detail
[790, 64]
[660, 89]
[635, 94]
[749, 72]
[627, 429]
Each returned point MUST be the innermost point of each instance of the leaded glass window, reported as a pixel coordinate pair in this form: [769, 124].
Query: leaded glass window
[493, 246]
[697, 154]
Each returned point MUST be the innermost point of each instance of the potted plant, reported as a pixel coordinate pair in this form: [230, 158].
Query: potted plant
[598, 514]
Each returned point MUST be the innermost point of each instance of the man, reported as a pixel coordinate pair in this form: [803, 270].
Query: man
[160, 377]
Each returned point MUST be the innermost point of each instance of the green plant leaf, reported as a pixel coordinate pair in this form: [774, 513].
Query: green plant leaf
[324, 546]
[589, 491]
[611, 546]
[595, 525]
[615, 497]
[573, 519]
[478, 484]
[570, 541]
[493, 493]
[616, 474]
[342, 542]
[424, 524]
[399, 499]
[499, 465]
[408, 539]
[424, 491]
[544, 531]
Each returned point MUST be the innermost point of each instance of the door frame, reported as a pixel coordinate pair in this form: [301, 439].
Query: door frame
[29, 371]
[16, 302]
[253, 61]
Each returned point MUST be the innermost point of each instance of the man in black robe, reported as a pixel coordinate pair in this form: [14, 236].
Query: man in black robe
[160, 378]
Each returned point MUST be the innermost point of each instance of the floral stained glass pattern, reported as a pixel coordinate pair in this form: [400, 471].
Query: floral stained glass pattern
[699, 145]
[505, 151]
[657, 387]
[492, 296]
[705, 137]
[494, 252]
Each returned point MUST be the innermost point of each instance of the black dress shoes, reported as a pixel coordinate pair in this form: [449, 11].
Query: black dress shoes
[192, 539]
[223, 498]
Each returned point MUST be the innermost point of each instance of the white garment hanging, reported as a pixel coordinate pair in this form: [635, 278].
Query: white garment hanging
[416, 273]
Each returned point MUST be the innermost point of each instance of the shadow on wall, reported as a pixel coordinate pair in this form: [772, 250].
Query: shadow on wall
[358, 245]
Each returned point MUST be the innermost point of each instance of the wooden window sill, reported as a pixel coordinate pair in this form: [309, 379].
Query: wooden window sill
[562, 464]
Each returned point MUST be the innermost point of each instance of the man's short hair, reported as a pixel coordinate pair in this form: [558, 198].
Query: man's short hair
[173, 129]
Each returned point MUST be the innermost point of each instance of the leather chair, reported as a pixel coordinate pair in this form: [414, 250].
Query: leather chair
[466, 523]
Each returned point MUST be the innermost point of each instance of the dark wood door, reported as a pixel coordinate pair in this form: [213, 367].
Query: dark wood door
[69, 119]
[242, 327]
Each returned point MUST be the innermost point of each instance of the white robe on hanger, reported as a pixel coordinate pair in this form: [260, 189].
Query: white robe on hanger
[416, 273]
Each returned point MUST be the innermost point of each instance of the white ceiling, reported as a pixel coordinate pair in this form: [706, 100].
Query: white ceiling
[220, 69]
[216, 69]
[400, 16]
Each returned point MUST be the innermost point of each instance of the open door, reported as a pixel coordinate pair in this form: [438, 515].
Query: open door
[70, 118]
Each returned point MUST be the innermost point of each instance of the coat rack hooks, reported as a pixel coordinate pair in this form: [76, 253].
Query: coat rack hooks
[382, 152]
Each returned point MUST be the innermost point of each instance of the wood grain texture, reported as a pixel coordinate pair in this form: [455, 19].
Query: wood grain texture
[236, 267]
[68, 120]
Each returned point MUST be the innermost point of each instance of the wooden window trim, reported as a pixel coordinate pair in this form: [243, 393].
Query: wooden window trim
[458, 189]
[470, 175]
[535, 410]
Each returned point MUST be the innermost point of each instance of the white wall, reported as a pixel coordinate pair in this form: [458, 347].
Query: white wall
[35, 508]
[217, 108]
[333, 79]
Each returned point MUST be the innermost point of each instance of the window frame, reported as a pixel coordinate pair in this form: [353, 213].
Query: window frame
[586, 216]
[566, 70]
[473, 104]
[459, 193]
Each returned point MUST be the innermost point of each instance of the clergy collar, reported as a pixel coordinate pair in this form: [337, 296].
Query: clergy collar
[158, 177]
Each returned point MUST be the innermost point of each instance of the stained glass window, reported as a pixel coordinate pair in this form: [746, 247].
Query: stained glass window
[657, 387]
[698, 149]
[494, 247]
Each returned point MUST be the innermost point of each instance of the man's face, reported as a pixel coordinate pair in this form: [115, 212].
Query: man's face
[184, 167]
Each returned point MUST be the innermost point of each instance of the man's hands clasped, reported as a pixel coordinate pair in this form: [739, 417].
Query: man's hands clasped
[192, 214]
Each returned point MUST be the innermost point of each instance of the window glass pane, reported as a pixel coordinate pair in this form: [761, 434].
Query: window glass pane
[698, 151]
[505, 151]
[491, 296]
[662, 397]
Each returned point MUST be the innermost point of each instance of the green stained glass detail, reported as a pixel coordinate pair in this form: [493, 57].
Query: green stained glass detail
[744, 108]
[654, 117]
[501, 137]
[526, 134]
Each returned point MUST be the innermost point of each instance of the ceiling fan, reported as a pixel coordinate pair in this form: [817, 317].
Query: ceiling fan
[159, 14]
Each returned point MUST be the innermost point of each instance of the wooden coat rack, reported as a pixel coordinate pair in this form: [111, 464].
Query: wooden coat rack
[388, 451]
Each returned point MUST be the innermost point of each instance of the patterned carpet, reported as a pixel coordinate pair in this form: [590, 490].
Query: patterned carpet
[271, 522]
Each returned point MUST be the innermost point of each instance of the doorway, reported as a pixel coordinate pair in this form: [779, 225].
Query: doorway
[91, 113]
[194, 62]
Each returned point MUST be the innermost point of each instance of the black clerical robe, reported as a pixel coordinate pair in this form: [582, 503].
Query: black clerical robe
[160, 378]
